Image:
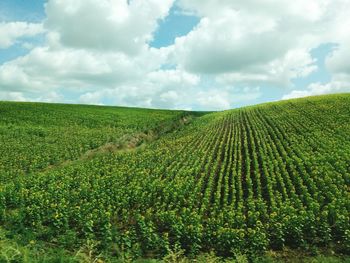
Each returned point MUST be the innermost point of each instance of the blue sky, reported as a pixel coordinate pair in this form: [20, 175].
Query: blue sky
[176, 24]
[168, 54]
[22, 10]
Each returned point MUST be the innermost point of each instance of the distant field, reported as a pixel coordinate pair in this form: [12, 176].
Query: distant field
[34, 136]
[244, 181]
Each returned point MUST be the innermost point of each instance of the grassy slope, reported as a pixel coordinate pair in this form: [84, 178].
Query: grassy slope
[315, 130]
[36, 135]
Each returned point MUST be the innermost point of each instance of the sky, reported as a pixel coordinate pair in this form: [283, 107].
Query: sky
[173, 54]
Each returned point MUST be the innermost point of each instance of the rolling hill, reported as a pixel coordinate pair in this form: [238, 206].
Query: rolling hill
[37, 135]
[248, 180]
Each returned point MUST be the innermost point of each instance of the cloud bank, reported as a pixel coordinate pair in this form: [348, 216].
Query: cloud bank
[99, 51]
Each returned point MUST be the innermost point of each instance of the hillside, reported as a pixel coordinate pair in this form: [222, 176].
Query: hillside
[248, 180]
[34, 136]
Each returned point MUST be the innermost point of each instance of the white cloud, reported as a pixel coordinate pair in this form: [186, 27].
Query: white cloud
[214, 100]
[240, 36]
[45, 69]
[91, 98]
[98, 51]
[22, 96]
[311, 10]
[337, 64]
[160, 89]
[99, 48]
[52, 96]
[226, 98]
[12, 96]
[10, 32]
[112, 25]
[279, 72]
[319, 89]
[234, 41]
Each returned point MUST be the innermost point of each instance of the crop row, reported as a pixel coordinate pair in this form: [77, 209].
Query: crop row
[244, 180]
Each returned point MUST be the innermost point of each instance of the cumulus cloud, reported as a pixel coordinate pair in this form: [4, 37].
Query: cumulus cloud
[337, 63]
[310, 10]
[46, 70]
[10, 32]
[225, 98]
[265, 42]
[319, 89]
[233, 42]
[99, 47]
[16, 96]
[278, 72]
[113, 25]
[160, 89]
[239, 36]
[98, 51]
[214, 100]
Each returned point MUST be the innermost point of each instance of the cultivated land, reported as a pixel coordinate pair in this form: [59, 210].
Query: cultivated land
[106, 183]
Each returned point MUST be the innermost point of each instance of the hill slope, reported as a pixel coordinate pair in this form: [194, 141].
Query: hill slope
[245, 180]
[34, 136]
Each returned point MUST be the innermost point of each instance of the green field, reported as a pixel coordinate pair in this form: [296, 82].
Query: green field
[109, 183]
[34, 136]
